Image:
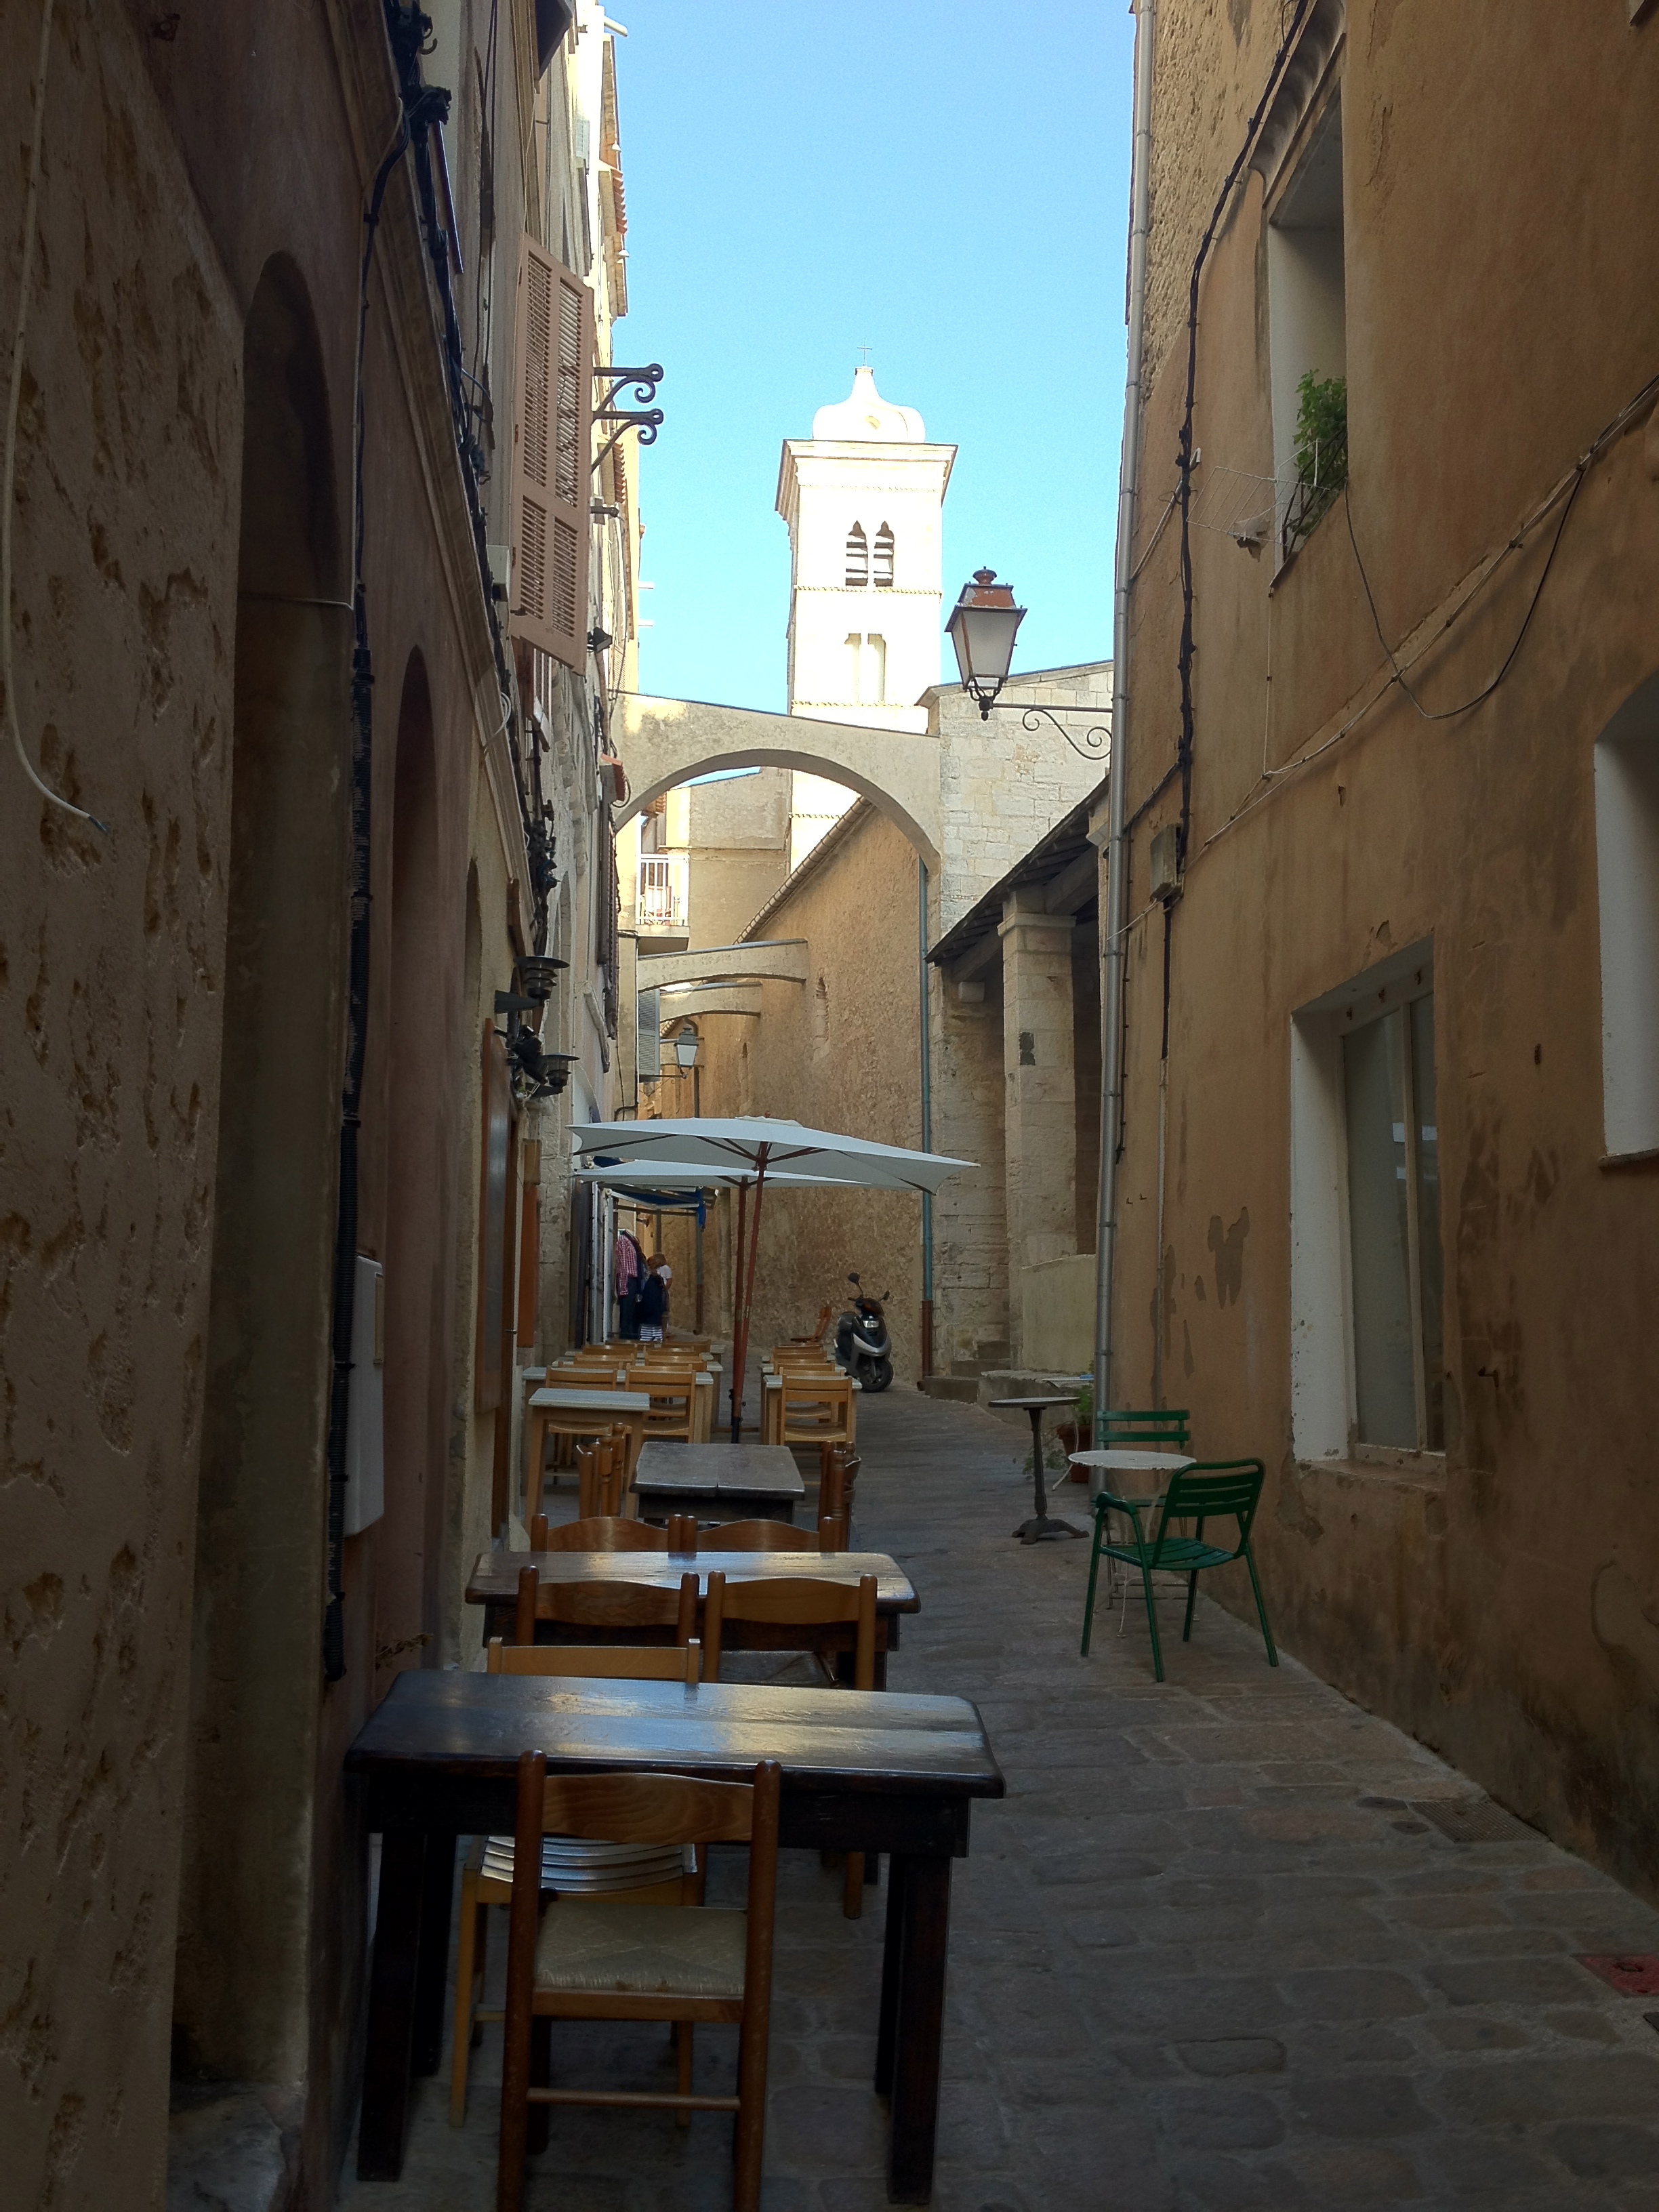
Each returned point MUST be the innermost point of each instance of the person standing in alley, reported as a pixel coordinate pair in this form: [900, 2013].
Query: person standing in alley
[653, 1304]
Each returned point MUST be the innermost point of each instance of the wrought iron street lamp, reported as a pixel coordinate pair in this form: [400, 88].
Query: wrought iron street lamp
[687, 1045]
[983, 625]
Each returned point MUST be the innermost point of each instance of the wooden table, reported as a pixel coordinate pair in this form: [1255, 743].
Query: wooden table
[494, 1585]
[719, 1482]
[581, 1413]
[861, 1771]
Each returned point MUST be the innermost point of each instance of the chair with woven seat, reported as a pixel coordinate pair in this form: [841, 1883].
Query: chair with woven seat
[1215, 1490]
[799, 1599]
[611, 1532]
[590, 1959]
[623, 1875]
[758, 1536]
[650, 1615]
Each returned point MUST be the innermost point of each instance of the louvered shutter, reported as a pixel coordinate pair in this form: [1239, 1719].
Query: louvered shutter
[552, 458]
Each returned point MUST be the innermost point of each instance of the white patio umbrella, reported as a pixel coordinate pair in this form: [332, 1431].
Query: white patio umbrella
[772, 1150]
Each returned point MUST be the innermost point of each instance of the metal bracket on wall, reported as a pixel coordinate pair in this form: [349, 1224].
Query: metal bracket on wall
[644, 418]
[1094, 744]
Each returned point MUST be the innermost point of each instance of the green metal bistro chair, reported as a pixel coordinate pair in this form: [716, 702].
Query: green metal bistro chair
[1219, 1489]
[1143, 1428]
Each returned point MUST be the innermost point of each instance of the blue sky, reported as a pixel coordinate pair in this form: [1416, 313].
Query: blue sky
[947, 183]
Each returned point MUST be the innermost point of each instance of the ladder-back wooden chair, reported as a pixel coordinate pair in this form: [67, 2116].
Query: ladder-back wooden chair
[758, 1536]
[611, 1532]
[597, 1869]
[803, 1600]
[652, 1615]
[589, 1959]
[838, 1474]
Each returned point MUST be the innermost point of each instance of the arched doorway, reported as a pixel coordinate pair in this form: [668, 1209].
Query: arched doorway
[244, 1943]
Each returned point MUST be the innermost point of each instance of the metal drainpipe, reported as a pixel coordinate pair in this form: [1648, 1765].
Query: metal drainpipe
[1117, 871]
[926, 1362]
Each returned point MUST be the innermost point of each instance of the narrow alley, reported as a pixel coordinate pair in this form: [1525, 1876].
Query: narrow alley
[1216, 1951]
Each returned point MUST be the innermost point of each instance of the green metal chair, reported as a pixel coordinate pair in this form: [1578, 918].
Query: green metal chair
[1143, 1428]
[1218, 1489]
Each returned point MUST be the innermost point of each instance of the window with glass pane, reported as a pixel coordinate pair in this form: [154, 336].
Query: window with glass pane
[1394, 1228]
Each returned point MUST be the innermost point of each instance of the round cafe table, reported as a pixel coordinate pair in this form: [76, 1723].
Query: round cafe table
[1041, 1522]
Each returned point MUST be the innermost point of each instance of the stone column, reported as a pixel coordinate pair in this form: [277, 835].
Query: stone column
[1039, 1075]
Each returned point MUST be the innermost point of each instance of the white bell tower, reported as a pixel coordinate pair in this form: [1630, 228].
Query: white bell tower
[864, 499]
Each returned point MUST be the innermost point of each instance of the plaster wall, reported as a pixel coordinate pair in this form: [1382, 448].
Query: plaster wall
[1497, 1599]
[172, 1005]
[823, 1052]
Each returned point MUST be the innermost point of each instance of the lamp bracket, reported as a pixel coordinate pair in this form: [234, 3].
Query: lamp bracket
[1094, 745]
[643, 417]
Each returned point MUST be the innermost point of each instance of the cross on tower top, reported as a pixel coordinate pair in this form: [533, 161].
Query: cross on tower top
[864, 351]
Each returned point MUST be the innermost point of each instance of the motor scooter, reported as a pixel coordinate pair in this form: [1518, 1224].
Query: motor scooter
[862, 1344]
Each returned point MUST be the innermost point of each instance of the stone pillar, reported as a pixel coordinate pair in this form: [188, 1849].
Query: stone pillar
[1040, 1076]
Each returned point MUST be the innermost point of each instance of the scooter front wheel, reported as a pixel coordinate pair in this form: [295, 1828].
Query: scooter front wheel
[877, 1373]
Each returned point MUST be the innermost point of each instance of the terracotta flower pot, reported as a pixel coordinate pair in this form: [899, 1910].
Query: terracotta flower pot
[1072, 1438]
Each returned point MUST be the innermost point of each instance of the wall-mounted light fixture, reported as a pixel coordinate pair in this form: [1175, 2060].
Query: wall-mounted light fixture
[687, 1045]
[983, 625]
[537, 972]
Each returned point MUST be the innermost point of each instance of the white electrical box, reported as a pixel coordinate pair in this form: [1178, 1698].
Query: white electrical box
[365, 1452]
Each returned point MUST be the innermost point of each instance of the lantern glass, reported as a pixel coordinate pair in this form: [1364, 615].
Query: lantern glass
[983, 625]
[687, 1045]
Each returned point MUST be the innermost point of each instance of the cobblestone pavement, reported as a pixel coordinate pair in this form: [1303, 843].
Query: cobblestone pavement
[1207, 1956]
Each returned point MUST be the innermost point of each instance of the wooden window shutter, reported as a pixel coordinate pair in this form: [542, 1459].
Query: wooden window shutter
[552, 458]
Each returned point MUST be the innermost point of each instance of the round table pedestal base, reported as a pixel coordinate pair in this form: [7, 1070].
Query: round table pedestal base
[1042, 1525]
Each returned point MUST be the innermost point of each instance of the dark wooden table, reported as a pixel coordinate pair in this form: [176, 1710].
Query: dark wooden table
[719, 1482]
[861, 1771]
[494, 1586]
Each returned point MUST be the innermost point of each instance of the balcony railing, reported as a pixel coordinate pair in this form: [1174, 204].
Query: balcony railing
[660, 906]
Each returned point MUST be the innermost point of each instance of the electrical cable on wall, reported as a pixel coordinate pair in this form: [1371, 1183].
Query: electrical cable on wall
[8, 474]
[1567, 487]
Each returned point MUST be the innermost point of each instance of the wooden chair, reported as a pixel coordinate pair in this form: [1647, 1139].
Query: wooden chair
[609, 1532]
[606, 1606]
[591, 1960]
[803, 1599]
[759, 1536]
[487, 1877]
[673, 1395]
[601, 1475]
[838, 1474]
[815, 1410]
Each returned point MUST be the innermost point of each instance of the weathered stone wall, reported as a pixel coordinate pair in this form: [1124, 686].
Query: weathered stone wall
[1497, 1599]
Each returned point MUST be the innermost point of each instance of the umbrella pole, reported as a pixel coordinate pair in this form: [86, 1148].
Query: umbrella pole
[740, 1349]
[737, 1301]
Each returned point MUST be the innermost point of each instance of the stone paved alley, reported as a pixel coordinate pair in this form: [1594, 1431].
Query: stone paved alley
[1205, 1957]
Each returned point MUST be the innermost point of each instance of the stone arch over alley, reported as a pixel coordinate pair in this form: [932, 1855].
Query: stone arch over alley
[665, 742]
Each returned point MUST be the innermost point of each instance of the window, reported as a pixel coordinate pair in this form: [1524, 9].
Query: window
[1307, 321]
[1394, 1229]
[883, 559]
[1627, 891]
[1368, 1358]
[858, 558]
[866, 678]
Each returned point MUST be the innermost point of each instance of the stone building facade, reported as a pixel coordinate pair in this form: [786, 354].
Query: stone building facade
[1391, 1153]
[244, 1029]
